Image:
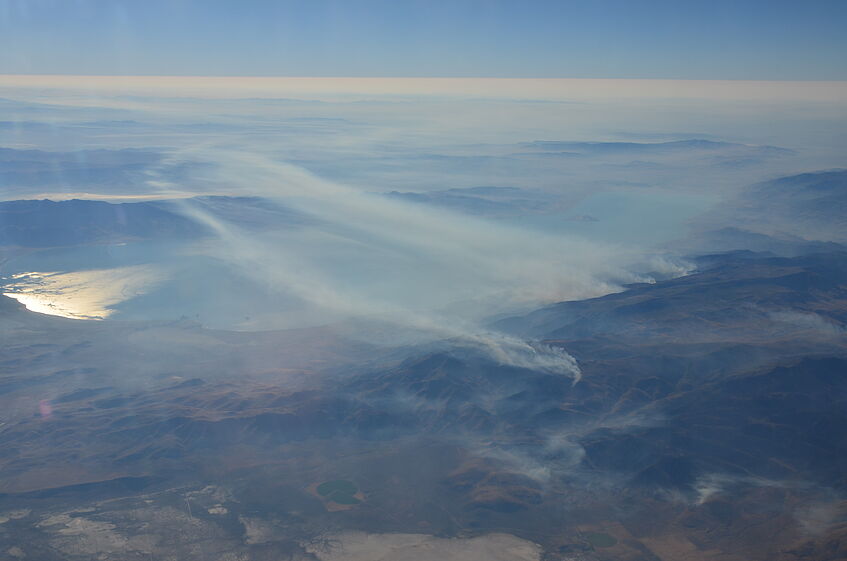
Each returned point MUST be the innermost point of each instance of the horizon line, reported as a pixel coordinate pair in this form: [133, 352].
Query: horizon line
[363, 77]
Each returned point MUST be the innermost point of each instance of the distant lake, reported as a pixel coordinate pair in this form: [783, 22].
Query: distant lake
[138, 281]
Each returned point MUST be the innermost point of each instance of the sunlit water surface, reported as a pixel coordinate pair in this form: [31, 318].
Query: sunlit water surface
[82, 294]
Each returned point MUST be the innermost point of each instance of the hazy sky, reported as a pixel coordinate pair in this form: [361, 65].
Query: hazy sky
[715, 39]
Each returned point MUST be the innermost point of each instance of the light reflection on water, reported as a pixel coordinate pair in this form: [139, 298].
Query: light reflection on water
[81, 294]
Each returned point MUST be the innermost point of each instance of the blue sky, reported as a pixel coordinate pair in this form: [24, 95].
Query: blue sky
[740, 39]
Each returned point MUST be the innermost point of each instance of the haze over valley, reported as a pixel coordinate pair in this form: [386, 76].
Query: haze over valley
[449, 306]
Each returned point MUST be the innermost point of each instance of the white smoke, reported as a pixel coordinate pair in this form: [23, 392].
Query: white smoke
[419, 268]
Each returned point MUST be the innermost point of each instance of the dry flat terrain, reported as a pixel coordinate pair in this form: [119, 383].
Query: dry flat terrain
[358, 546]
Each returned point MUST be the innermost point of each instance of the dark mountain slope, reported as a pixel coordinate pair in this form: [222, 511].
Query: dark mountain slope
[734, 297]
[76, 222]
[46, 223]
